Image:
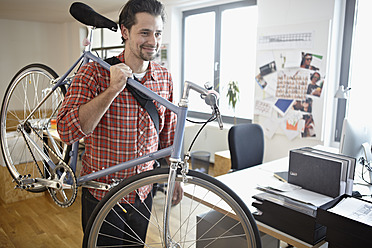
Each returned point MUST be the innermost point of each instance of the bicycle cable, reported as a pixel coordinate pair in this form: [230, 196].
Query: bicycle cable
[212, 118]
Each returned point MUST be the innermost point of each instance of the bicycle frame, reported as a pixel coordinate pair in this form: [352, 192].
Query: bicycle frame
[174, 151]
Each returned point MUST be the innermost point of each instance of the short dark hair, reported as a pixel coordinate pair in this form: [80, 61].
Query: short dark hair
[132, 7]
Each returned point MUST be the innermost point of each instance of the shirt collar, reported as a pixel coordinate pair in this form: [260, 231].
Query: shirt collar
[151, 69]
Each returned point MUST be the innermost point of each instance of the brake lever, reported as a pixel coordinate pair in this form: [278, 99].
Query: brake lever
[211, 100]
[216, 111]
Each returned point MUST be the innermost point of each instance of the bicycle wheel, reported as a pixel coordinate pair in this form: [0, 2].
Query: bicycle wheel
[26, 91]
[209, 215]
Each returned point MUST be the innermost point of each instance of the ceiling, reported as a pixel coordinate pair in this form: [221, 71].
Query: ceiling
[51, 10]
[58, 10]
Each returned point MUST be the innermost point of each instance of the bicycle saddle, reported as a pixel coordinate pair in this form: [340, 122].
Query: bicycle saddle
[88, 16]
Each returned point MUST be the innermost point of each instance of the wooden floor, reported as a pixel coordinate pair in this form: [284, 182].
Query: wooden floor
[39, 222]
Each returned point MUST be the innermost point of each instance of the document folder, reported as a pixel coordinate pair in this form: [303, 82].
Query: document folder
[325, 173]
[351, 161]
[294, 218]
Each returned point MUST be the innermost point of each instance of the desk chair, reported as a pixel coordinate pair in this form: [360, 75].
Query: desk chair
[246, 144]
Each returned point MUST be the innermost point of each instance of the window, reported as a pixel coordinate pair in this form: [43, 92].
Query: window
[106, 42]
[355, 64]
[360, 59]
[219, 47]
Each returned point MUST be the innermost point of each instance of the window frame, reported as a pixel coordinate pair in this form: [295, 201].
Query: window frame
[350, 15]
[218, 9]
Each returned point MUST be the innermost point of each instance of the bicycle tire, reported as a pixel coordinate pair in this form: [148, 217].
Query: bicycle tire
[192, 223]
[22, 95]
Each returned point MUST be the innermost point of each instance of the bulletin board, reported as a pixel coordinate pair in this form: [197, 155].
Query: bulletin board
[291, 79]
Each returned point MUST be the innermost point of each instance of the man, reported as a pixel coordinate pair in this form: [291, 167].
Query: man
[115, 128]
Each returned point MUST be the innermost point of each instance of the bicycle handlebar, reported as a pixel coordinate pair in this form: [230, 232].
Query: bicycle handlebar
[210, 98]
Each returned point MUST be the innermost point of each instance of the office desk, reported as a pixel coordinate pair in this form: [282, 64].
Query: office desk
[261, 174]
[250, 178]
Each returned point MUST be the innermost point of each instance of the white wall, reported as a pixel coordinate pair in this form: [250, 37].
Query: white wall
[281, 13]
[23, 43]
[272, 13]
[277, 15]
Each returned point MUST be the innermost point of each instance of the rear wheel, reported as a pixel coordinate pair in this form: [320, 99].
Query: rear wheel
[26, 144]
[209, 215]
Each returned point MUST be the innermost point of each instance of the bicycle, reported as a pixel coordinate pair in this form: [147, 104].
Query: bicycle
[39, 162]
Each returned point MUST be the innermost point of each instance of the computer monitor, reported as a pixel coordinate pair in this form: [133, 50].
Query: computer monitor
[354, 135]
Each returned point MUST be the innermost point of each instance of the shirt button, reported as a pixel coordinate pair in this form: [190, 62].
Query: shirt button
[141, 132]
[140, 153]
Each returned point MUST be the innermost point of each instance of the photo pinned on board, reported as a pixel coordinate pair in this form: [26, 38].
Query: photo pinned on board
[310, 61]
[304, 105]
[261, 81]
[315, 86]
[309, 126]
[268, 68]
[282, 106]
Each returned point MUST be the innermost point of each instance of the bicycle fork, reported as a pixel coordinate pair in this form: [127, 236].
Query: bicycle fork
[169, 243]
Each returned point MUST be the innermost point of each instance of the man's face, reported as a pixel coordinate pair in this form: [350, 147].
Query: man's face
[144, 38]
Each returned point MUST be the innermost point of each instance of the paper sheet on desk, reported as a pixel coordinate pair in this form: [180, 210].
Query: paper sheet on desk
[354, 209]
[308, 197]
[297, 193]
[282, 186]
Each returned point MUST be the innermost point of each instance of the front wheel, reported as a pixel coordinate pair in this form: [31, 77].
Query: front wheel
[209, 215]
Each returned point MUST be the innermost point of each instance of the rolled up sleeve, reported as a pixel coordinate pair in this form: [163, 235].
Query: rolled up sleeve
[82, 90]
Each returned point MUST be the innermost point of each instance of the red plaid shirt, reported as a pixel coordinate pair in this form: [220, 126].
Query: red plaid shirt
[125, 132]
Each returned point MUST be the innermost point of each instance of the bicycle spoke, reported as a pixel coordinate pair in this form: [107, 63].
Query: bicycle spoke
[24, 93]
[156, 219]
[191, 222]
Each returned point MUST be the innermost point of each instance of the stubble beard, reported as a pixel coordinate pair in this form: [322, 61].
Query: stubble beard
[147, 56]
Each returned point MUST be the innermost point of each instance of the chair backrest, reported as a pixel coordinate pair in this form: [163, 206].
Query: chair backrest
[246, 144]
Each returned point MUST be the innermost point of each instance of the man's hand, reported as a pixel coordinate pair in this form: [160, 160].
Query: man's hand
[177, 194]
[91, 112]
[119, 74]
